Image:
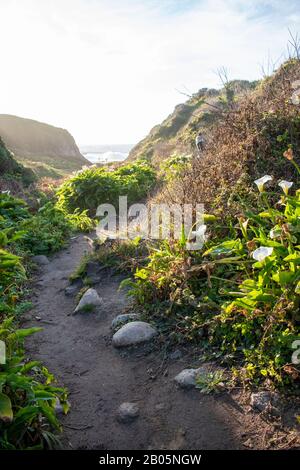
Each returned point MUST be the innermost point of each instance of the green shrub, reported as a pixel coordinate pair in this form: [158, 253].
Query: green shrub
[254, 261]
[94, 186]
[43, 232]
[27, 398]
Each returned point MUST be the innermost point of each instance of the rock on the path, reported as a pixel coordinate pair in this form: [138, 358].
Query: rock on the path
[89, 301]
[74, 287]
[124, 318]
[187, 377]
[177, 354]
[133, 333]
[71, 290]
[41, 260]
[264, 400]
[128, 412]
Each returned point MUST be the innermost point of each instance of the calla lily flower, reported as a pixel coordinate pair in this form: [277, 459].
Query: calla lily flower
[262, 252]
[285, 186]
[274, 233]
[262, 181]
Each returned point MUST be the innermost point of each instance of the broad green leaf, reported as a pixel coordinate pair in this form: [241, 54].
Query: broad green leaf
[6, 412]
[294, 258]
[283, 277]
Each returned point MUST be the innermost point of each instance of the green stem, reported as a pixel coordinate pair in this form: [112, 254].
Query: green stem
[296, 166]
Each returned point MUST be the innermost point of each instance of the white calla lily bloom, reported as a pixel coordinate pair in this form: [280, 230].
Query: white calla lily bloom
[262, 181]
[262, 252]
[285, 186]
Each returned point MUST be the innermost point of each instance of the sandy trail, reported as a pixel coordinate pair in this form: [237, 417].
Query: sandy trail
[78, 350]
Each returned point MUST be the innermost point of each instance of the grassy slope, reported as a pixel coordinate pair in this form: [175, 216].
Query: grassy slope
[178, 131]
[245, 143]
[13, 175]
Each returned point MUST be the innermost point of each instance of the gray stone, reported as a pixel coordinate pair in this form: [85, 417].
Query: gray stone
[187, 377]
[74, 287]
[71, 290]
[133, 333]
[128, 412]
[264, 400]
[89, 301]
[40, 260]
[177, 354]
[124, 318]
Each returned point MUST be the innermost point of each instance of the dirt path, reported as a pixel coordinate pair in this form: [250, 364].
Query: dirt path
[99, 378]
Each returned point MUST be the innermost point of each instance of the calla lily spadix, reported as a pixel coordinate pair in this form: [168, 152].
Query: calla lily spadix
[262, 252]
[262, 181]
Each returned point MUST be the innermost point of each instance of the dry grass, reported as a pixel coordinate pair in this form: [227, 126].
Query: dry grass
[243, 145]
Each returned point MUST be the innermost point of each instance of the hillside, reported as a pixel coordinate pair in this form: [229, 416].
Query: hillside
[47, 150]
[246, 142]
[177, 133]
[13, 175]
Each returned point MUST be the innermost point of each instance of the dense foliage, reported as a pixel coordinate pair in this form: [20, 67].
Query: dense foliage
[10, 169]
[94, 186]
[27, 394]
[254, 260]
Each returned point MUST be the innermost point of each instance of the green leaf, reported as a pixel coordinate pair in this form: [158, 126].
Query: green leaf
[23, 332]
[293, 257]
[225, 248]
[283, 277]
[6, 412]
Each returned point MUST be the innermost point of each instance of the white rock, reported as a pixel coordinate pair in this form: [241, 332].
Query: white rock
[89, 300]
[124, 318]
[133, 333]
[127, 412]
[187, 377]
[41, 260]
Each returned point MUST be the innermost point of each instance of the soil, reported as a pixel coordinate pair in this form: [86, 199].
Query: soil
[78, 350]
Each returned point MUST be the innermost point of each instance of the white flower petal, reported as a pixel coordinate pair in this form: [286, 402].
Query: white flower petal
[285, 185]
[262, 181]
[262, 252]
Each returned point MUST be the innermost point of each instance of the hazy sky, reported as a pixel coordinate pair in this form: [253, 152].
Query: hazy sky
[108, 70]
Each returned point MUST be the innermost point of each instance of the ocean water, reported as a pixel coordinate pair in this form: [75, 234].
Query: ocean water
[106, 153]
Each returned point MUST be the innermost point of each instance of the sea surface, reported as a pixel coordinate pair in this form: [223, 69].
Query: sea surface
[106, 153]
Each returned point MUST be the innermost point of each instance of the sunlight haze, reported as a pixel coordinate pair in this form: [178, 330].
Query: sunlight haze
[108, 71]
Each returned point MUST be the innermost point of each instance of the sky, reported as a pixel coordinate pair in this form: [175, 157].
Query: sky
[109, 70]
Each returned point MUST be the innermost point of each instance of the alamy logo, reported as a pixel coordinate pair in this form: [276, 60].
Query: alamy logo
[2, 352]
[296, 354]
[154, 221]
[295, 98]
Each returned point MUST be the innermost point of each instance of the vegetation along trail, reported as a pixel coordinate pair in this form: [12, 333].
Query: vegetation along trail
[99, 377]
